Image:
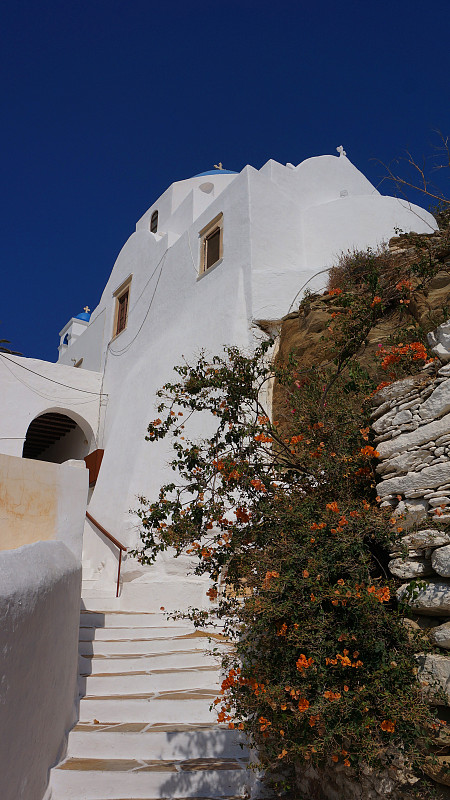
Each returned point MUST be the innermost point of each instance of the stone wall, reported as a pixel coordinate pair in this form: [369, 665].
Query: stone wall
[411, 422]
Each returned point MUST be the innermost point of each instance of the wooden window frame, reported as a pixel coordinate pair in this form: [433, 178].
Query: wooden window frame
[212, 227]
[124, 289]
[153, 219]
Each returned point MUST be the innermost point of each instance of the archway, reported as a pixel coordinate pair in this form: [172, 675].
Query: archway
[55, 437]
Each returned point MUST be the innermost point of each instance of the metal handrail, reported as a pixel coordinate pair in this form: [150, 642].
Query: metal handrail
[113, 540]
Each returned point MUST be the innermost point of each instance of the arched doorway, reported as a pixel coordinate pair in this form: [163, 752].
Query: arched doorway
[55, 437]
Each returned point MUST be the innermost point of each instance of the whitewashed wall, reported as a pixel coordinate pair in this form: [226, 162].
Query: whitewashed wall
[30, 387]
[281, 225]
[39, 620]
[40, 591]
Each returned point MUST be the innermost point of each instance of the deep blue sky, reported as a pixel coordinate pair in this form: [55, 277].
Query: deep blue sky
[105, 103]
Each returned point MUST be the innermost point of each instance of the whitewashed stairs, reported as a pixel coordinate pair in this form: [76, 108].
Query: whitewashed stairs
[146, 731]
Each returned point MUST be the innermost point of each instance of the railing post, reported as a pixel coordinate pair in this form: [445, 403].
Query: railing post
[112, 539]
[118, 572]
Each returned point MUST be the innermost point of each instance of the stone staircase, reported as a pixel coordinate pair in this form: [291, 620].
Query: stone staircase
[145, 729]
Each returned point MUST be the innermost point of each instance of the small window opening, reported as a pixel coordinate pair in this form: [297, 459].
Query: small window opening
[211, 251]
[122, 295]
[212, 248]
[154, 222]
[122, 311]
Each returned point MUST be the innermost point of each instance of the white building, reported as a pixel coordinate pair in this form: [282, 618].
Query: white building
[212, 256]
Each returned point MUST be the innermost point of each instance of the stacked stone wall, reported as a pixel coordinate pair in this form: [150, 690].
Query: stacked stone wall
[411, 422]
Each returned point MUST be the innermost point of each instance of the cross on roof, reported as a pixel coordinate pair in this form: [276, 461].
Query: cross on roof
[86, 309]
[218, 166]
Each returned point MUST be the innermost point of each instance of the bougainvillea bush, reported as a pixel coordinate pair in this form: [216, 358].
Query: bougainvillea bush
[282, 514]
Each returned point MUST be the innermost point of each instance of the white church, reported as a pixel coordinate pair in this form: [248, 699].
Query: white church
[214, 257]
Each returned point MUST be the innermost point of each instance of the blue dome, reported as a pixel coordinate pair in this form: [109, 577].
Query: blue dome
[216, 172]
[84, 315]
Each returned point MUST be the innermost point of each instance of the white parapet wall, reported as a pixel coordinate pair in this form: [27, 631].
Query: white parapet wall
[40, 591]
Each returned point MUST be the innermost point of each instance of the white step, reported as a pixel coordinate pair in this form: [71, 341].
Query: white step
[125, 619]
[147, 663]
[211, 742]
[184, 709]
[69, 784]
[137, 597]
[182, 680]
[131, 634]
[101, 590]
[145, 646]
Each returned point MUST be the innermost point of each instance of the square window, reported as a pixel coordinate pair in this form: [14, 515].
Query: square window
[122, 295]
[122, 311]
[211, 244]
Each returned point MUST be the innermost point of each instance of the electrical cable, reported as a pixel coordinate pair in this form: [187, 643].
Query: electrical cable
[46, 396]
[128, 345]
[306, 284]
[52, 380]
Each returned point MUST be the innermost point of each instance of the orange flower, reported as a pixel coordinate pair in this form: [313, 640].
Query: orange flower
[375, 301]
[329, 695]
[345, 688]
[346, 763]
[333, 507]
[242, 514]
[335, 292]
[388, 726]
[305, 573]
[369, 452]
[335, 758]
[257, 484]
[269, 575]
[282, 630]
[261, 437]
[303, 662]
[303, 704]
[341, 582]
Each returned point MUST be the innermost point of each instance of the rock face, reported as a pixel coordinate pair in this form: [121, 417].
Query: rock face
[427, 539]
[440, 341]
[441, 635]
[405, 568]
[440, 561]
[337, 782]
[433, 600]
[433, 675]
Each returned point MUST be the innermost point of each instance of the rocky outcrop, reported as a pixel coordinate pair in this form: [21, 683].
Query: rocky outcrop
[336, 781]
